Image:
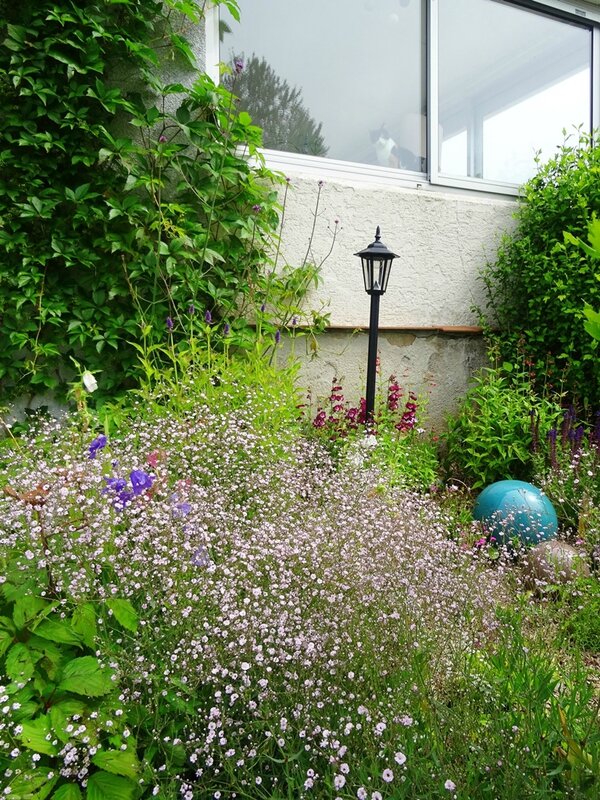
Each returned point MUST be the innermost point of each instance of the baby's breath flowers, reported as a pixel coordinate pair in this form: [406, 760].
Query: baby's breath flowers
[282, 604]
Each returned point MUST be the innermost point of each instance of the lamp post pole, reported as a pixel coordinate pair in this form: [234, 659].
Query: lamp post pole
[376, 261]
[372, 358]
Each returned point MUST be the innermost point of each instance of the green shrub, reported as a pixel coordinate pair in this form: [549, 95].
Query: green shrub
[539, 283]
[492, 435]
[123, 212]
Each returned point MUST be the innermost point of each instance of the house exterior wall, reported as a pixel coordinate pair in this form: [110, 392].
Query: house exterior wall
[429, 336]
[428, 330]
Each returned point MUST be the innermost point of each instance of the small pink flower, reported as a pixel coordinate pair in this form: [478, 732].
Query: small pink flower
[388, 775]
[450, 785]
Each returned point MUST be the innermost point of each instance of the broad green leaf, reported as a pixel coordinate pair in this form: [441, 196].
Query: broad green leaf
[6, 639]
[61, 714]
[19, 663]
[104, 786]
[124, 613]
[118, 762]
[68, 791]
[85, 676]
[36, 735]
[27, 609]
[58, 631]
[34, 786]
[84, 623]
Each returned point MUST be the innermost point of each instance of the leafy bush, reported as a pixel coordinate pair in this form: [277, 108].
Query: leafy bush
[493, 434]
[538, 284]
[123, 210]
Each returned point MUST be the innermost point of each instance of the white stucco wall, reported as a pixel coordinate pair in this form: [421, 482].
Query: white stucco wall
[428, 330]
[442, 240]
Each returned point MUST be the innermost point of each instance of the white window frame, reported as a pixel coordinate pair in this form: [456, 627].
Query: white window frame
[433, 180]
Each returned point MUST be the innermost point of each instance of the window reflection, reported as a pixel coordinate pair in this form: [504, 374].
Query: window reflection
[342, 78]
[510, 81]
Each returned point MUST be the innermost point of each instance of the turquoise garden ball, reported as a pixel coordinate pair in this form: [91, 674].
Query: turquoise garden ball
[510, 509]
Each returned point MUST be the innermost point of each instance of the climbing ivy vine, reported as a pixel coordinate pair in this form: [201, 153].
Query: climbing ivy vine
[127, 204]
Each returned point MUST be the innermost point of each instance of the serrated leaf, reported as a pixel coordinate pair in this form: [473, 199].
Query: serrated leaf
[19, 663]
[85, 676]
[118, 762]
[104, 786]
[6, 639]
[68, 791]
[27, 608]
[124, 613]
[61, 714]
[36, 735]
[36, 786]
[83, 622]
[57, 631]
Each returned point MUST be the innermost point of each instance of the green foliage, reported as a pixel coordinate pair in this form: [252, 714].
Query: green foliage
[566, 468]
[493, 433]
[592, 322]
[61, 696]
[539, 282]
[122, 201]
[581, 601]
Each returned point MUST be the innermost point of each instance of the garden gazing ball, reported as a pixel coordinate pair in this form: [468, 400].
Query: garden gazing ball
[515, 509]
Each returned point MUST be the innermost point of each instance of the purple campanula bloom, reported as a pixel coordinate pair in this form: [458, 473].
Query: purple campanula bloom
[201, 557]
[97, 444]
[256, 208]
[226, 329]
[169, 324]
[263, 306]
[238, 65]
[162, 138]
[208, 317]
[191, 309]
[116, 484]
[277, 337]
[140, 480]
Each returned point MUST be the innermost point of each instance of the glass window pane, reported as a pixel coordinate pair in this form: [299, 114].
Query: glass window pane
[338, 78]
[510, 81]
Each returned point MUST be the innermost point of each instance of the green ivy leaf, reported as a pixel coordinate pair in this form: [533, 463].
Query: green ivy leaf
[124, 613]
[118, 762]
[68, 791]
[36, 735]
[19, 664]
[85, 676]
[104, 786]
[36, 786]
[58, 631]
[83, 622]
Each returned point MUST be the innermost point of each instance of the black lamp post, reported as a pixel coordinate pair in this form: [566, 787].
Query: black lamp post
[376, 262]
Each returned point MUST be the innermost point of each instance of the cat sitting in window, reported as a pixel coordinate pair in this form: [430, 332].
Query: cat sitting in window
[388, 154]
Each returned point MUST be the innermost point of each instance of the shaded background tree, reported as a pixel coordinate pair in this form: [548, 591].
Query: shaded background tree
[276, 107]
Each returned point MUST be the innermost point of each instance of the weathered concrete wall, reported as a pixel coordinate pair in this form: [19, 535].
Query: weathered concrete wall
[437, 366]
[426, 319]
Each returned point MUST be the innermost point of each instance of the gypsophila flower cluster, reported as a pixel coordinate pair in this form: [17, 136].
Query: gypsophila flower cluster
[283, 607]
